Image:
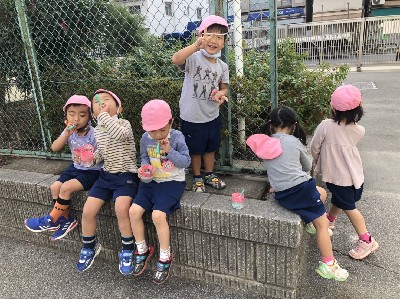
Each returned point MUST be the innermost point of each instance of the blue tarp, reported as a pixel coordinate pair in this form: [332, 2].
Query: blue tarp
[254, 16]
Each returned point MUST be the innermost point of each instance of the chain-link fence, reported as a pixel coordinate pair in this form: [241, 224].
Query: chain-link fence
[53, 49]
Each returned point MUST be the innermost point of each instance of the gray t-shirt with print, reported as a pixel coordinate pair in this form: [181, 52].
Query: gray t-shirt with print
[201, 77]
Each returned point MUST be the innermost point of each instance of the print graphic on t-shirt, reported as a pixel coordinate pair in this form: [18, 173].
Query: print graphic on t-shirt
[198, 70]
[204, 90]
[157, 160]
[204, 82]
[207, 77]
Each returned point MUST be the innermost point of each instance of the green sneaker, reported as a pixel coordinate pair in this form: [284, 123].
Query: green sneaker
[309, 227]
[332, 272]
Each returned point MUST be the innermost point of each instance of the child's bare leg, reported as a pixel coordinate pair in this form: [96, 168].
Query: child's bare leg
[357, 220]
[137, 225]
[196, 164]
[63, 198]
[334, 211]
[143, 253]
[323, 194]
[69, 187]
[55, 189]
[90, 211]
[209, 161]
[162, 227]
[323, 240]
[122, 205]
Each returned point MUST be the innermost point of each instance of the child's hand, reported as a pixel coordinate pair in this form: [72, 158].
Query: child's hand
[70, 128]
[165, 145]
[203, 39]
[219, 97]
[105, 107]
[140, 172]
[145, 171]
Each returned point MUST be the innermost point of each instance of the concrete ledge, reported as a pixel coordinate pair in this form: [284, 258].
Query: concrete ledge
[257, 248]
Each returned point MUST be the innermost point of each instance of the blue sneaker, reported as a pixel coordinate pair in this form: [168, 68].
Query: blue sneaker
[126, 262]
[66, 225]
[86, 258]
[41, 224]
[162, 272]
[141, 260]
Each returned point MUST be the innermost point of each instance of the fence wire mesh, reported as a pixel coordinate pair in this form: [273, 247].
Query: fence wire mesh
[53, 49]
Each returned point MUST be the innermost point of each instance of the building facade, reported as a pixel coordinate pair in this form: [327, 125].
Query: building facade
[166, 16]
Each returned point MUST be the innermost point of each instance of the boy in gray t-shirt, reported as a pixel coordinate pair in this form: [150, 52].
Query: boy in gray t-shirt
[205, 88]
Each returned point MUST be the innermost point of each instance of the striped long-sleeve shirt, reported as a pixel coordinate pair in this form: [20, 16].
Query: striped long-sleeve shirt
[115, 144]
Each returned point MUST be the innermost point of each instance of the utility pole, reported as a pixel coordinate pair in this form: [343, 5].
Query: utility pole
[309, 10]
[366, 10]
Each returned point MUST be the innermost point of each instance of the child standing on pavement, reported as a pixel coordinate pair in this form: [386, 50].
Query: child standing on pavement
[286, 160]
[165, 150]
[78, 134]
[118, 180]
[205, 88]
[337, 159]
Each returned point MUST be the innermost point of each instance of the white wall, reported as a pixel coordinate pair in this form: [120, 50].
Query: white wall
[159, 23]
[336, 5]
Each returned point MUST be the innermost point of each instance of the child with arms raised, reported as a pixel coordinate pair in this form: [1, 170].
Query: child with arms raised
[118, 180]
[335, 154]
[165, 150]
[205, 88]
[286, 160]
[79, 135]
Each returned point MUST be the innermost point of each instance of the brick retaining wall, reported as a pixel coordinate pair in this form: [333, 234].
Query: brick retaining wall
[257, 248]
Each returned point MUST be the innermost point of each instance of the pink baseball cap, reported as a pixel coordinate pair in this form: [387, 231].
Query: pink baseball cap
[155, 115]
[111, 94]
[78, 100]
[346, 97]
[264, 146]
[213, 19]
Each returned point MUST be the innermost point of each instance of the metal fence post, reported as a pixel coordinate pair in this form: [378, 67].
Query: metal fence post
[273, 54]
[361, 44]
[219, 7]
[32, 67]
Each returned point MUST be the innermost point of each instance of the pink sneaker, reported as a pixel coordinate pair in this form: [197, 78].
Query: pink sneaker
[363, 249]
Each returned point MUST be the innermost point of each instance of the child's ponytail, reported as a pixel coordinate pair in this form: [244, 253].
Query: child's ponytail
[300, 133]
[284, 117]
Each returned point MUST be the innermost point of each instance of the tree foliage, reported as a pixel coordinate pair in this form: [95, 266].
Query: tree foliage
[305, 90]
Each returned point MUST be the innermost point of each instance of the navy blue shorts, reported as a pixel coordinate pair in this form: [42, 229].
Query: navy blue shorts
[303, 199]
[202, 138]
[345, 197]
[165, 196]
[112, 185]
[86, 177]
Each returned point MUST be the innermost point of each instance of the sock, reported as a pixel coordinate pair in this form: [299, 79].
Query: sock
[127, 243]
[365, 237]
[197, 178]
[54, 201]
[165, 255]
[330, 217]
[141, 247]
[89, 242]
[329, 260]
[60, 209]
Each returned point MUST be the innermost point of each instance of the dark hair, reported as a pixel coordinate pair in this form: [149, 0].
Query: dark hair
[284, 117]
[349, 116]
[218, 28]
